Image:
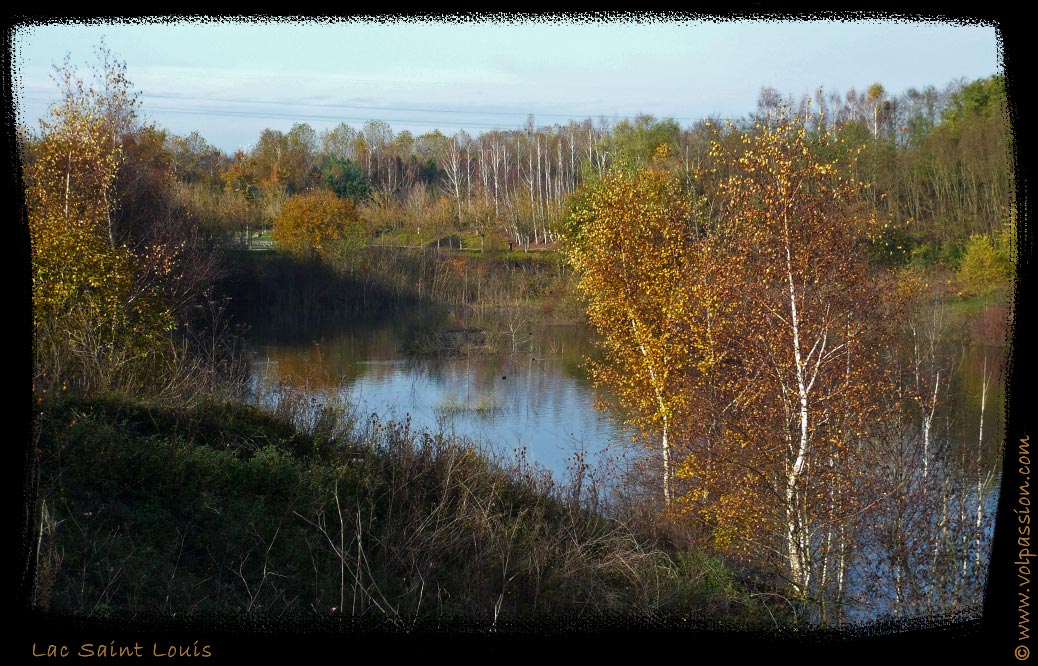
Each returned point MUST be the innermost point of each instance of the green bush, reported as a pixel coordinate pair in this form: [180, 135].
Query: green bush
[929, 254]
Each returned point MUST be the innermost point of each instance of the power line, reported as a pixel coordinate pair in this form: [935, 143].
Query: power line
[356, 106]
[324, 117]
[271, 115]
[233, 100]
[327, 118]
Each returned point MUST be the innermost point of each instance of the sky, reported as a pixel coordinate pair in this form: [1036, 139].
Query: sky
[230, 80]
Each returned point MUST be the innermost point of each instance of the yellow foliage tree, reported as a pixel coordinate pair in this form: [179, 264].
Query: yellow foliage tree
[749, 344]
[805, 388]
[984, 269]
[319, 224]
[628, 236]
[94, 315]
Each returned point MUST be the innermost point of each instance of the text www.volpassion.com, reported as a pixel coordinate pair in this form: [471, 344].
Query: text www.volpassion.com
[1024, 554]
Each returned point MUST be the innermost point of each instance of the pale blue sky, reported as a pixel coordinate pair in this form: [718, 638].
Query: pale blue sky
[228, 81]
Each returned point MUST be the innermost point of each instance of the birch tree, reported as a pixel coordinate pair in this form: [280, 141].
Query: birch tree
[804, 343]
[627, 238]
[98, 313]
[453, 164]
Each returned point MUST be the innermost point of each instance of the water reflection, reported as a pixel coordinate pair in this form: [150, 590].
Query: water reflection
[537, 399]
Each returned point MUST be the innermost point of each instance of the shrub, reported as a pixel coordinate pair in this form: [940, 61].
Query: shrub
[319, 224]
[983, 270]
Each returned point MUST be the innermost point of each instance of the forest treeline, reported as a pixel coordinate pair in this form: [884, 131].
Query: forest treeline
[679, 236]
[937, 160]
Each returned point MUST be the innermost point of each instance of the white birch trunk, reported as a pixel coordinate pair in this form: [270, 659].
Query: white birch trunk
[662, 406]
[796, 530]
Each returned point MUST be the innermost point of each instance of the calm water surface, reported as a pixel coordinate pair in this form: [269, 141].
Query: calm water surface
[536, 401]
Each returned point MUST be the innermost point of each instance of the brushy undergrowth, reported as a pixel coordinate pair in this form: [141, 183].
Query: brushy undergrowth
[228, 508]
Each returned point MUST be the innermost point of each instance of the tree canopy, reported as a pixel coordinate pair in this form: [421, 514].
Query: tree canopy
[345, 178]
[98, 309]
[750, 345]
[629, 233]
[319, 224]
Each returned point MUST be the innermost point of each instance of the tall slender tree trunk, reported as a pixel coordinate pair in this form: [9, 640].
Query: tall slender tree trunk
[657, 386]
[796, 529]
[980, 446]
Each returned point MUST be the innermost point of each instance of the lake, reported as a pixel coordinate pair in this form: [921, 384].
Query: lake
[536, 401]
[534, 397]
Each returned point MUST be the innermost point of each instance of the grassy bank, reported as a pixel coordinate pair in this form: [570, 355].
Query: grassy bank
[226, 508]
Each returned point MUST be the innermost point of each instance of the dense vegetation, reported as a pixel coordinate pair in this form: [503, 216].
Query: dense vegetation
[761, 349]
[149, 249]
[936, 160]
[223, 508]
